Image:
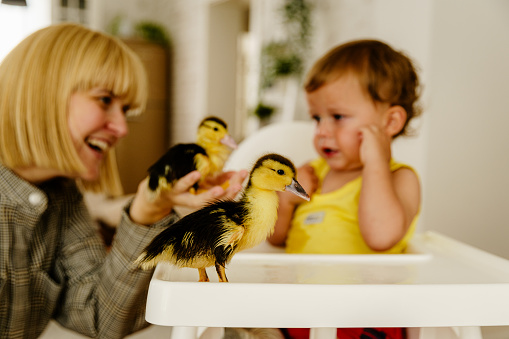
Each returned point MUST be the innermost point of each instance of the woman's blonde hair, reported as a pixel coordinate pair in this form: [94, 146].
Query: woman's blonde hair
[385, 74]
[37, 79]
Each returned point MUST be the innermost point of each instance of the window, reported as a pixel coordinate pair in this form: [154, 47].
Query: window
[71, 10]
[18, 22]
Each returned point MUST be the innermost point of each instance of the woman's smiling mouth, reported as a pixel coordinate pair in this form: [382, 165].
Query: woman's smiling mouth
[97, 145]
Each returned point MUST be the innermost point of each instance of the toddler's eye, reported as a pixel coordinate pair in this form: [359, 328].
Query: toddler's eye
[315, 118]
[338, 116]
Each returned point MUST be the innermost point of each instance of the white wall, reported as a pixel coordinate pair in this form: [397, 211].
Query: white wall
[468, 165]
[461, 142]
[186, 22]
[227, 23]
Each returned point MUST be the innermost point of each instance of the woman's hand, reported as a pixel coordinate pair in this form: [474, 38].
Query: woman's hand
[220, 179]
[147, 210]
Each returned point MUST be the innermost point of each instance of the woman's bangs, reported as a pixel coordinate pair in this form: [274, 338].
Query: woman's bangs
[119, 72]
[128, 81]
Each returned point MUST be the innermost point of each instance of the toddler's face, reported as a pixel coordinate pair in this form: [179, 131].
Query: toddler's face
[96, 122]
[340, 108]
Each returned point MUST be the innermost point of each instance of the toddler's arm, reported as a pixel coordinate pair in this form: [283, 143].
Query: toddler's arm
[388, 200]
[288, 202]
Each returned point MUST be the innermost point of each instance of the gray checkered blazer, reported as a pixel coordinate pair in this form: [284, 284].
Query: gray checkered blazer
[53, 263]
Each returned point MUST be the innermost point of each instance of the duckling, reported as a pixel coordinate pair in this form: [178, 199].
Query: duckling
[212, 235]
[208, 155]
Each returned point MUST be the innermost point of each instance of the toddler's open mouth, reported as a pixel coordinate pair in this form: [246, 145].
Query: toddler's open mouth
[329, 152]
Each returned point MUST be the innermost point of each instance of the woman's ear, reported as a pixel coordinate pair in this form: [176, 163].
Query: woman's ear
[395, 120]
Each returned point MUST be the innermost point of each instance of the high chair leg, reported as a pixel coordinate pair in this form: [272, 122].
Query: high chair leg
[464, 332]
[184, 332]
[323, 333]
[469, 332]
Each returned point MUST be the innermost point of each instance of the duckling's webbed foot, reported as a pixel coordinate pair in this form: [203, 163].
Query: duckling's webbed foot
[221, 273]
[203, 275]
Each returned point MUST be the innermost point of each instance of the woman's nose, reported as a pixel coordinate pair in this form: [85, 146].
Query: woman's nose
[117, 121]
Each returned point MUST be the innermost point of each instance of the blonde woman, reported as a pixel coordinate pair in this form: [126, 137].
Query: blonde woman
[65, 92]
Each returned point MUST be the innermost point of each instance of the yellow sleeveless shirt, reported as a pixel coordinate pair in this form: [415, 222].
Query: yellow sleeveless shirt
[329, 224]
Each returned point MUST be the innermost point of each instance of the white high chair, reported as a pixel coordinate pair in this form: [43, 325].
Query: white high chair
[293, 140]
[441, 289]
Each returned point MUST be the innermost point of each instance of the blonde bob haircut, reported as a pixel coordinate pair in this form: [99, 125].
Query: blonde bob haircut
[37, 79]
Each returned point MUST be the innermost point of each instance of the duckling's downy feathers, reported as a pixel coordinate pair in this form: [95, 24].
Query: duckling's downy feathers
[213, 234]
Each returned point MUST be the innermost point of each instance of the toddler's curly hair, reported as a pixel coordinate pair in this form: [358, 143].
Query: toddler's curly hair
[387, 75]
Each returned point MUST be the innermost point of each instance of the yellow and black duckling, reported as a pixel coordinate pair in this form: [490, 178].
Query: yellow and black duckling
[212, 235]
[208, 155]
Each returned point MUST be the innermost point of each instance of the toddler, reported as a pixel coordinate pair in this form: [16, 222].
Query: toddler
[362, 95]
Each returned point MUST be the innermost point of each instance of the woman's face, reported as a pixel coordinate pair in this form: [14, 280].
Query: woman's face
[97, 120]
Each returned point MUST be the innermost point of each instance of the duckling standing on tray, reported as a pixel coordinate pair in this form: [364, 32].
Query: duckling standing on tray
[212, 235]
[208, 155]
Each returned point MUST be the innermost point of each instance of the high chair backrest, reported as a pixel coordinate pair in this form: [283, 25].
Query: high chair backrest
[293, 140]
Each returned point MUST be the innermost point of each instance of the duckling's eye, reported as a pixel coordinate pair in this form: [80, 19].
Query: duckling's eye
[216, 129]
[280, 172]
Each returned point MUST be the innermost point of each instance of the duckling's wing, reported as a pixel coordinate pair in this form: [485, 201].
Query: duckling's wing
[178, 161]
[227, 243]
[197, 239]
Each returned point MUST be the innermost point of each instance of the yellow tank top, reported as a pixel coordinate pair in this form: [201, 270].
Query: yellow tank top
[329, 224]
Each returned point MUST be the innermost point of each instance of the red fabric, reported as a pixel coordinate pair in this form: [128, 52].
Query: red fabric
[351, 333]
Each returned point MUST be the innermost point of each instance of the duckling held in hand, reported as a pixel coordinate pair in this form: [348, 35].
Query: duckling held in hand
[208, 155]
[212, 235]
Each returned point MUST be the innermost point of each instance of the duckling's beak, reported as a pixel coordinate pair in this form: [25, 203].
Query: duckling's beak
[297, 189]
[228, 141]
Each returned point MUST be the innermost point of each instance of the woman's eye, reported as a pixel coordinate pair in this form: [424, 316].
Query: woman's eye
[106, 100]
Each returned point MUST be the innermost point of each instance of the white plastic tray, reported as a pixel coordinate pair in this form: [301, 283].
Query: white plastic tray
[441, 282]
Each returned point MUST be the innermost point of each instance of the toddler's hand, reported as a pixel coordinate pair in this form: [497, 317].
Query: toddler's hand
[375, 145]
[307, 178]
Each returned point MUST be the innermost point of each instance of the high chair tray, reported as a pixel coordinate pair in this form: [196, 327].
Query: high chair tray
[440, 282]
